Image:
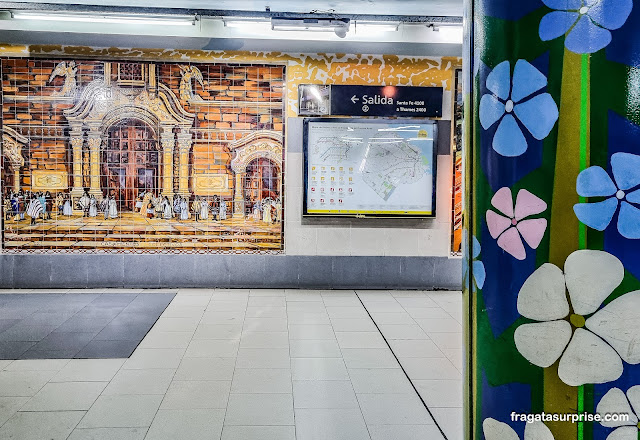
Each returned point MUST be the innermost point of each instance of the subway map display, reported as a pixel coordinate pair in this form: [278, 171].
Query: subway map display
[369, 167]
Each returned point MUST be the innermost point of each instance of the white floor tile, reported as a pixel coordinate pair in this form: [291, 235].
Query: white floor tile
[267, 312]
[9, 406]
[108, 434]
[302, 295]
[439, 393]
[403, 332]
[186, 424]
[312, 348]
[446, 340]
[121, 411]
[264, 340]
[227, 306]
[430, 368]
[260, 409]
[456, 357]
[225, 318]
[259, 433]
[155, 381]
[393, 409]
[405, 432]
[212, 348]
[318, 369]
[357, 312]
[330, 424]
[410, 348]
[264, 325]
[353, 325]
[360, 340]
[159, 339]
[269, 301]
[40, 425]
[218, 331]
[341, 301]
[380, 381]
[384, 307]
[4, 363]
[369, 358]
[396, 318]
[176, 311]
[306, 306]
[23, 383]
[36, 365]
[323, 394]
[149, 358]
[266, 292]
[89, 370]
[263, 358]
[197, 394]
[301, 331]
[205, 369]
[450, 420]
[193, 298]
[427, 313]
[261, 380]
[420, 302]
[446, 325]
[176, 324]
[65, 396]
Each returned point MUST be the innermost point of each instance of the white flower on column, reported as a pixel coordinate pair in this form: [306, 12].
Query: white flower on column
[495, 430]
[591, 342]
[615, 402]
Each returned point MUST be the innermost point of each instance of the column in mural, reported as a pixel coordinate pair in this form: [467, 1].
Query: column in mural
[553, 214]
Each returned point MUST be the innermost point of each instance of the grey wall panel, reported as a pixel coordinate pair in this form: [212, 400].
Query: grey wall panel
[235, 271]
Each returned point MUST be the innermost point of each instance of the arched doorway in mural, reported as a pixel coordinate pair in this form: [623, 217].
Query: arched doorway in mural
[130, 162]
[262, 180]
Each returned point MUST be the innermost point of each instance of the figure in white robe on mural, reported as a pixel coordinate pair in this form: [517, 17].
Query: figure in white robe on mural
[204, 210]
[93, 207]
[257, 214]
[167, 211]
[184, 209]
[113, 208]
[278, 211]
[84, 204]
[223, 210]
[266, 211]
[66, 208]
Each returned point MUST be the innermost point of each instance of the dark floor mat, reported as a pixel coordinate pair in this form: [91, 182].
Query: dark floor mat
[77, 325]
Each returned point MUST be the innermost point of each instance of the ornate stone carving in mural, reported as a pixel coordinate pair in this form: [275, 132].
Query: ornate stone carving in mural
[45, 180]
[190, 73]
[12, 144]
[258, 144]
[68, 70]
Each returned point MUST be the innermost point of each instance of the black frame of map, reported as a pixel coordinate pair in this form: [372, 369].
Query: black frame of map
[387, 121]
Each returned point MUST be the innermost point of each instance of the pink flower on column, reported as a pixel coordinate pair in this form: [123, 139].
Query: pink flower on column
[511, 225]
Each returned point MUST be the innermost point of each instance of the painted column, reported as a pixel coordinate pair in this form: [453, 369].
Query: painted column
[168, 142]
[184, 145]
[94, 140]
[552, 213]
[15, 167]
[77, 143]
[238, 196]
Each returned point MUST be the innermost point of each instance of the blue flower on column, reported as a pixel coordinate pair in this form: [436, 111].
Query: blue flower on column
[623, 191]
[588, 22]
[479, 273]
[516, 104]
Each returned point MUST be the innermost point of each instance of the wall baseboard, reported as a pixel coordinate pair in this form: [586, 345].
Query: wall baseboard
[227, 271]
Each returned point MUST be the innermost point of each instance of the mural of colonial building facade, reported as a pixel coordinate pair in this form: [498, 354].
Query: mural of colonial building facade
[124, 156]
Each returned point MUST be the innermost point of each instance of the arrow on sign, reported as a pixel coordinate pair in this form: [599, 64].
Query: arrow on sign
[355, 99]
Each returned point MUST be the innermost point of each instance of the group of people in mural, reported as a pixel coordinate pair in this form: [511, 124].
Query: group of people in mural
[40, 205]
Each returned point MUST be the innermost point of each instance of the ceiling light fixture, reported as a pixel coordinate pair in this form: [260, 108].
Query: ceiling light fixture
[370, 27]
[109, 19]
[340, 26]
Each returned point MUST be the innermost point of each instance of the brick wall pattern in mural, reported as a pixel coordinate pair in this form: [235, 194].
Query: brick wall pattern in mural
[130, 156]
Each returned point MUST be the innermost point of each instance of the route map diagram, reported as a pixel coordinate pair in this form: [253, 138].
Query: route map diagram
[392, 161]
[381, 167]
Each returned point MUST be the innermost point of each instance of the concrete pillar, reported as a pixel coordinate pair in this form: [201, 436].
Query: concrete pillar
[552, 216]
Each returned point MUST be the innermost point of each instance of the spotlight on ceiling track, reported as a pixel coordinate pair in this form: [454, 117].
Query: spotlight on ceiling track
[340, 26]
[107, 18]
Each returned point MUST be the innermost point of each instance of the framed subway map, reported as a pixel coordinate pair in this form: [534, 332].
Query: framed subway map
[369, 167]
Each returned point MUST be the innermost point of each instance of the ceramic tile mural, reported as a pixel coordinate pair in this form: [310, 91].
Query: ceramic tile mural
[553, 166]
[140, 156]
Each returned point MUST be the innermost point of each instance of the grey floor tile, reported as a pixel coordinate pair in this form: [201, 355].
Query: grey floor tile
[259, 433]
[330, 424]
[40, 425]
[187, 424]
[108, 434]
[122, 411]
[107, 350]
[14, 349]
[260, 409]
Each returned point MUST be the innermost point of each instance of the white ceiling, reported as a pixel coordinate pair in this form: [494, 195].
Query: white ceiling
[374, 7]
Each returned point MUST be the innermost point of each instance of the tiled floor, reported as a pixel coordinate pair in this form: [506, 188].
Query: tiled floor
[90, 325]
[259, 364]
